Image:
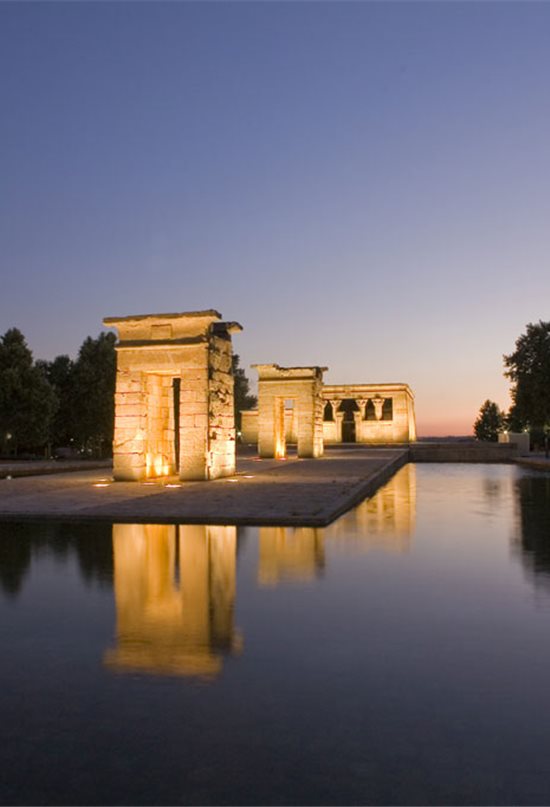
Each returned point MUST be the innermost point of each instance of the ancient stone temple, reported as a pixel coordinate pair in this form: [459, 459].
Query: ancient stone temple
[174, 396]
[298, 388]
[368, 413]
[352, 413]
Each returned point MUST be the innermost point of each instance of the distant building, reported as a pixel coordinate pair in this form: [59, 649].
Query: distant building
[353, 413]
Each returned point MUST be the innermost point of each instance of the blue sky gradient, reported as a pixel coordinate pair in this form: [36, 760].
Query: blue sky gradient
[362, 185]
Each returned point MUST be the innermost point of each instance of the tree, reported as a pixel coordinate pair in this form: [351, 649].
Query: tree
[61, 374]
[94, 393]
[490, 422]
[27, 400]
[243, 398]
[528, 367]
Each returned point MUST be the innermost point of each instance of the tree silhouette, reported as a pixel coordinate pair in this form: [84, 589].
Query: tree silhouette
[489, 423]
[27, 400]
[94, 393]
[243, 398]
[528, 367]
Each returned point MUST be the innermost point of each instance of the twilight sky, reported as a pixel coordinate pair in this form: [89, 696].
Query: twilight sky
[361, 185]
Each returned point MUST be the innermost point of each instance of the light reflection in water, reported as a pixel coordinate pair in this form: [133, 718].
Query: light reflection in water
[532, 540]
[417, 662]
[175, 585]
[386, 522]
[290, 553]
[175, 594]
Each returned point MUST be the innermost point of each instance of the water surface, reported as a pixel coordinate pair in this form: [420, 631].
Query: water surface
[399, 656]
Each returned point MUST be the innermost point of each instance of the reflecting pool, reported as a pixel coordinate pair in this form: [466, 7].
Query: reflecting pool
[399, 656]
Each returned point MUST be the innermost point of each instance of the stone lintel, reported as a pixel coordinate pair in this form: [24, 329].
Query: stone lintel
[163, 329]
[364, 390]
[274, 372]
[128, 344]
[209, 313]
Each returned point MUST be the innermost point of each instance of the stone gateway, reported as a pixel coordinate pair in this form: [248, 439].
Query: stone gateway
[174, 406]
[280, 388]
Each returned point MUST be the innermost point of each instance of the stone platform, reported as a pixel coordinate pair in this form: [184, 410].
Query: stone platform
[262, 492]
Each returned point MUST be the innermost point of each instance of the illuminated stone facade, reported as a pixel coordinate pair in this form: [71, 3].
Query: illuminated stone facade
[358, 413]
[369, 413]
[174, 411]
[296, 387]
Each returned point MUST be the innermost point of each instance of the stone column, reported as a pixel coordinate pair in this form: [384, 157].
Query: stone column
[306, 425]
[339, 420]
[378, 403]
[279, 434]
[310, 406]
[130, 435]
[362, 404]
[335, 406]
[271, 422]
[359, 418]
[194, 424]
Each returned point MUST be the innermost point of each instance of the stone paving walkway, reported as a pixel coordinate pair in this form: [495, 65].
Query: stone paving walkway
[263, 492]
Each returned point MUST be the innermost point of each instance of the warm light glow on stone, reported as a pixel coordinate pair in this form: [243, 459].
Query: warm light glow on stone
[289, 400]
[156, 466]
[372, 426]
[174, 396]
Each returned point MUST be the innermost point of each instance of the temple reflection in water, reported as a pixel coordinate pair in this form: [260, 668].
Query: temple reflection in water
[175, 595]
[386, 521]
[290, 553]
[175, 585]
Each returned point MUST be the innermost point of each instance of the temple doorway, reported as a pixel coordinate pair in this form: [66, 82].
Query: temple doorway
[348, 408]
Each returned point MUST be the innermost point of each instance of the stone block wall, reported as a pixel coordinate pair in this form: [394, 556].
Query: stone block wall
[193, 417]
[130, 434]
[160, 457]
[221, 434]
[249, 426]
[303, 386]
[157, 355]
